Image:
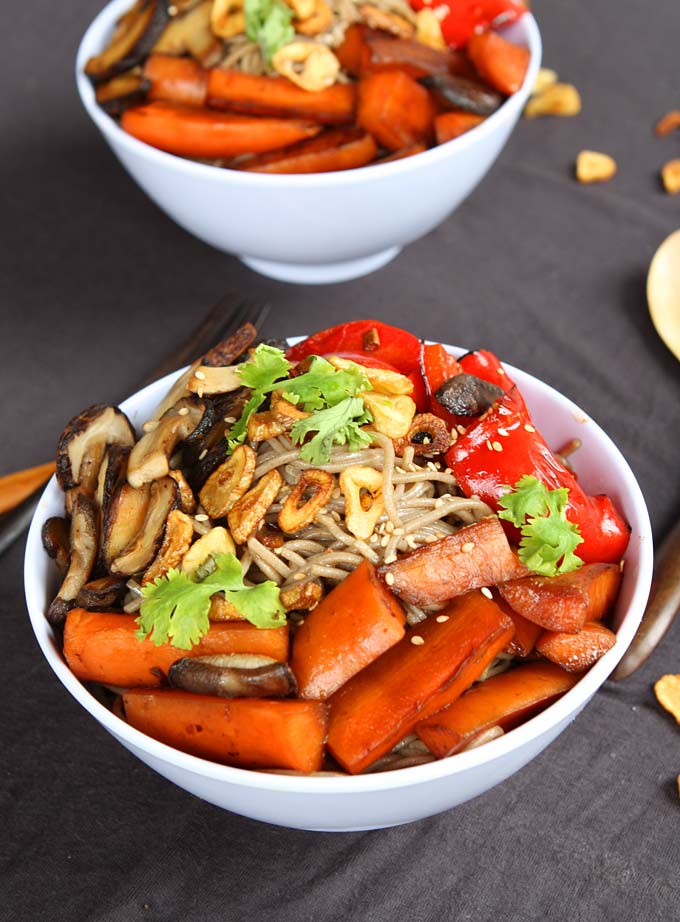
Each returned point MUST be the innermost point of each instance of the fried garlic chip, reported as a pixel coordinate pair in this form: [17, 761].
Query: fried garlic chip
[667, 691]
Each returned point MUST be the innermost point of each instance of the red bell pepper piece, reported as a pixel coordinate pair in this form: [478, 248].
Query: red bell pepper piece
[482, 469]
[363, 337]
[465, 17]
[437, 366]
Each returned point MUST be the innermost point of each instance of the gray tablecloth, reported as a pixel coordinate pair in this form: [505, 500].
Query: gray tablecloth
[97, 285]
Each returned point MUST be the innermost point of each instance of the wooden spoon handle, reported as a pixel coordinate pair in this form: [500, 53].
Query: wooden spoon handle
[14, 488]
[662, 607]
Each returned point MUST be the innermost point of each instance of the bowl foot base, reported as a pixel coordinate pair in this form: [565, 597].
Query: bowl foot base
[324, 273]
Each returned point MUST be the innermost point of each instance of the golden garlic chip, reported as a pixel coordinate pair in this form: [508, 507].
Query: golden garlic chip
[667, 691]
[593, 166]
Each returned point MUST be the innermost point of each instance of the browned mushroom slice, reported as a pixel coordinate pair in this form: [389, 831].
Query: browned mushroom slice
[84, 543]
[302, 596]
[215, 379]
[233, 676]
[191, 34]
[228, 350]
[112, 474]
[133, 38]
[150, 458]
[138, 555]
[83, 442]
[121, 92]
[204, 457]
[103, 594]
[55, 540]
[123, 520]
[179, 533]
[187, 500]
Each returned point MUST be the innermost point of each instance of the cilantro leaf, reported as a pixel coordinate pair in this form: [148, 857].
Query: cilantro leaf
[265, 366]
[268, 22]
[548, 539]
[337, 425]
[324, 385]
[175, 607]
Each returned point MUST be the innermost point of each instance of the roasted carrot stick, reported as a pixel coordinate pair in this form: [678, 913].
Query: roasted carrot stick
[176, 79]
[14, 488]
[381, 52]
[505, 701]
[350, 50]
[356, 622]
[567, 601]
[248, 732]
[475, 556]
[276, 96]
[498, 61]
[449, 125]
[192, 132]
[341, 149]
[423, 673]
[526, 632]
[576, 652]
[102, 647]
[395, 109]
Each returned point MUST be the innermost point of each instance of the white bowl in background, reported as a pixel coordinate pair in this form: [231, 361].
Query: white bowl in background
[390, 798]
[324, 227]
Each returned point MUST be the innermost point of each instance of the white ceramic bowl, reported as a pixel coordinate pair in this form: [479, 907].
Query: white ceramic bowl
[326, 227]
[391, 798]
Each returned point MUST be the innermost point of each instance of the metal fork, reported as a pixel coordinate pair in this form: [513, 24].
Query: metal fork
[224, 317]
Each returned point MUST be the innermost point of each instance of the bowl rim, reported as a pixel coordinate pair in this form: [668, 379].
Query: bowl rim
[564, 709]
[90, 43]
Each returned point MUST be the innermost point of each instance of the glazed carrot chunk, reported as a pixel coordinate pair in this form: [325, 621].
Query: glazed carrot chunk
[177, 79]
[576, 652]
[327, 153]
[567, 601]
[426, 671]
[356, 622]
[449, 125]
[395, 109]
[498, 61]
[505, 701]
[102, 647]
[247, 732]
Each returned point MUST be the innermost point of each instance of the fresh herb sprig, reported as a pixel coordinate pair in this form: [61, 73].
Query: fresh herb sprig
[175, 607]
[548, 539]
[268, 22]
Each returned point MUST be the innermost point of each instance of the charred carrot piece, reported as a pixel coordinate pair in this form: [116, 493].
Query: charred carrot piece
[498, 61]
[450, 125]
[505, 701]
[423, 673]
[576, 652]
[276, 96]
[350, 51]
[395, 109]
[329, 152]
[567, 601]
[475, 556]
[176, 79]
[526, 632]
[14, 488]
[188, 131]
[381, 53]
[102, 647]
[403, 153]
[356, 622]
[247, 732]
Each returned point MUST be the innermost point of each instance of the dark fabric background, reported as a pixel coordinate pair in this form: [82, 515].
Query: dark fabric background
[96, 285]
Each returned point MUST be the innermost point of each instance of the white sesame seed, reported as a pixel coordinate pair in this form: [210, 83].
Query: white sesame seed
[384, 541]
[390, 558]
[203, 454]
[448, 470]
[431, 539]
[487, 592]
[201, 517]
[497, 446]
[230, 419]
[442, 618]
[150, 425]
[468, 547]
[389, 579]
[298, 576]
[431, 466]
[501, 371]
[183, 411]
[461, 429]
[411, 541]
[398, 531]
[389, 527]
[200, 375]
[529, 428]
[489, 445]
[503, 432]
[373, 539]
[417, 640]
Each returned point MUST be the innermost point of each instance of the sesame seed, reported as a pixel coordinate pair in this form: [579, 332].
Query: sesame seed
[489, 445]
[373, 539]
[501, 371]
[201, 517]
[503, 432]
[230, 419]
[529, 428]
[445, 496]
[442, 618]
[448, 470]
[150, 425]
[389, 527]
[200, 375]
[384, 541]
[487, 592]
[439, 502]
[431, 466]
[497, 446]
[427, 440]
[411, 541]
[184, 411]
[417, 640]
[199, 392]
[468, 547]
[203, 454]
[461, 429]
[390, 558]
[298, 576]
[172, 10]
[431, 539]
[398, 531]
[389, 579]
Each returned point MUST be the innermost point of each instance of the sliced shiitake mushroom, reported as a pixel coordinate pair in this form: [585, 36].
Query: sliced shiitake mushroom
[83, 443]
[236, 675]
[150, 458]
[121, 92]
[123, 519]
[56, 542]
[103, 594]
[140, 552]
[133, 38]
[468, 395]
[84, 544]
[112, 474]
[187, 500]
[228, 350]
[179, 533]
[463, 93]
[204, 452]
[214, 379]
[190, 33]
